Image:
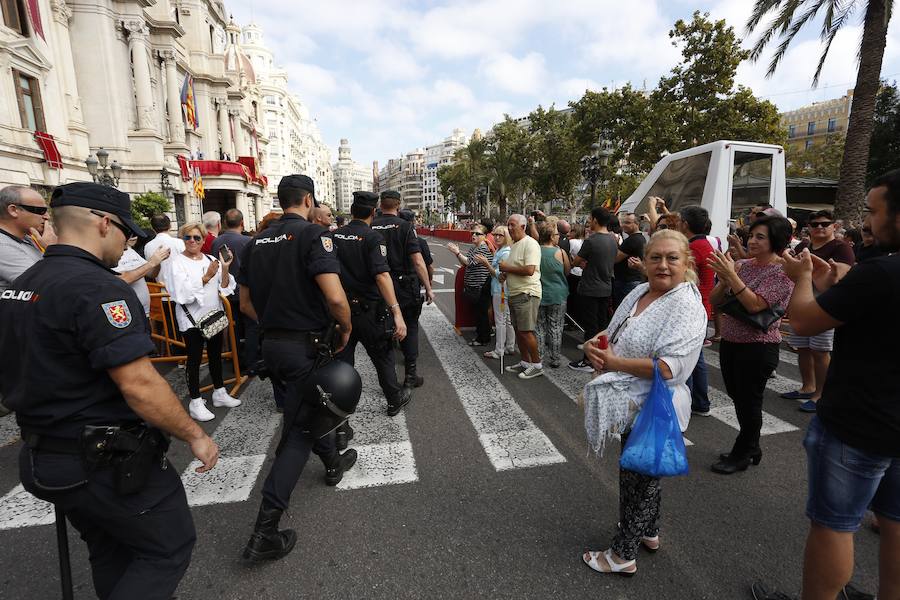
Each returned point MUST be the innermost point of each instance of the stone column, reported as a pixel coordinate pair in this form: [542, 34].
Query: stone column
[62, 14]
[137, 44]
[242, 147]
[235, 120]
[173, 98]
[224, 126]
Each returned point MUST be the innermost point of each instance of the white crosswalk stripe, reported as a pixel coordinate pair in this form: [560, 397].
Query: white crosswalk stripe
[779, 383]
[509, 437]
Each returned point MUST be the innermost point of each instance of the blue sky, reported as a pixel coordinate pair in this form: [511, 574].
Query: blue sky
[393, 75]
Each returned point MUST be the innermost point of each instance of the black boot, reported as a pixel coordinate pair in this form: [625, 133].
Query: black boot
[400, 400]
[343, 435]
[412, 380]
[340, 464]
[266, 542]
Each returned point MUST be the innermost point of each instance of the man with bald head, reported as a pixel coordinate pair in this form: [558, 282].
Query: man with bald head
[24, 231]
[321, 215]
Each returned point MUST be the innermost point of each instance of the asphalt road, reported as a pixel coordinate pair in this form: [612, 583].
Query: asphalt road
[483, 488]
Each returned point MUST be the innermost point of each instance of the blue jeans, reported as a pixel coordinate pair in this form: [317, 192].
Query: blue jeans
[699, 387]
[845, 481]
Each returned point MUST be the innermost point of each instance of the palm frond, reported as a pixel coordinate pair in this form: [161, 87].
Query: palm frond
[779, 25]
[834, 25]
[790, 33]
[761, 9]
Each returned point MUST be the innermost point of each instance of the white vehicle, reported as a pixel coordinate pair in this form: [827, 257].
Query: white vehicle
[726, 178]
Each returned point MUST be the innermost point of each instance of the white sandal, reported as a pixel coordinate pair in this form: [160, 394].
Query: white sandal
[611, 565]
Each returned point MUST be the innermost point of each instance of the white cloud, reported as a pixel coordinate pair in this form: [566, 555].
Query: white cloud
[572, 89]
[391, 62]
[517, 75]
[311, 80]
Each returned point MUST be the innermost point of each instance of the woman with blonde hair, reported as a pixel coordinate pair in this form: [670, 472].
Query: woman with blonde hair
[662, 319]
[196, 282]
[506, 336]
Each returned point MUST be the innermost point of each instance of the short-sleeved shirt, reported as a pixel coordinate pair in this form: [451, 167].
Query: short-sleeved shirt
[130, 261]
[363, 255]
[401, 240]
[599, 251]
[207, 243]
[706, 277]
[772, 284]
[633, 245]
[236, 242]
[426, 252]
[280, 265]
[175, 247]
[16, 256]
[860, 402]
[476, 273]
[525, 253]
[839, 250]
[65, 322]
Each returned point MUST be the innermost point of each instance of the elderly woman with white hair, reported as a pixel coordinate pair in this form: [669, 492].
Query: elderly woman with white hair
[662, 320]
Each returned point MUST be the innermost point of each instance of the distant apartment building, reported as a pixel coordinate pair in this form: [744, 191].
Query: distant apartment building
[411, 182]
[390, 177]
[437, 156]
[815, 123]
[349, 177]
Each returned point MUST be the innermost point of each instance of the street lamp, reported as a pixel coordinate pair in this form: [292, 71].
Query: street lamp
[168, 189]
[594, 164]
[100, 172]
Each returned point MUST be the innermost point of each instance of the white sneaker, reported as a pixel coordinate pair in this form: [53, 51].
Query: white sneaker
[517, 368]
[220, 397]
[197, 409]
[531, 372]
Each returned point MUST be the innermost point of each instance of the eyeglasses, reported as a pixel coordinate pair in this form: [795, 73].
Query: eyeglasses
[663, 226]
[192, 238]
[499, 235]
[35, 210]
[476, 233]
[125, 231]
[821, 224]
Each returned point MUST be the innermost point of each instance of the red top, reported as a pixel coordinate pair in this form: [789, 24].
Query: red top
[702, 249]
[207, 243]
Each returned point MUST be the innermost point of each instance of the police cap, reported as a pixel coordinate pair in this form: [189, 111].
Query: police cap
[98, 197]
[366, 199]
[298, 182]
[407, 215]
[390, 194]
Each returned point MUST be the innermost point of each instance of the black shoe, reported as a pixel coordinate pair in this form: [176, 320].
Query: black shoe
[729, 466]
[412, 380]
[760, 592]
[343, 463]
[402, 399]
[342, 436]
[266, 542]
[754, 457]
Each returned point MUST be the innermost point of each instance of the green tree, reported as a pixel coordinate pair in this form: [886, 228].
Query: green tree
[508, 161]
[556, 154]
[884, 150]
[790, 17]
[819, 160]
[144, 206]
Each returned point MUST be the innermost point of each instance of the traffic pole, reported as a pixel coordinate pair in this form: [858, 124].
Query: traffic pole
[65, 567]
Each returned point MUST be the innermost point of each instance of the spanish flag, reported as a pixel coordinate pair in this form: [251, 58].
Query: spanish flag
[198, 184]
[187, 102]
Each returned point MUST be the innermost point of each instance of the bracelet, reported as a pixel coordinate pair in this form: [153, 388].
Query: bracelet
[392, 306]
[740, 292]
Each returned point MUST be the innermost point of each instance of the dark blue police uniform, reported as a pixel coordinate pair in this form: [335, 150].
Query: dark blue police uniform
[363, 255]
[402, 242]
[279, 267]
[65, 322]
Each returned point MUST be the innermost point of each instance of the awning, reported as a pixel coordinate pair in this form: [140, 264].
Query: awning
[811, 207]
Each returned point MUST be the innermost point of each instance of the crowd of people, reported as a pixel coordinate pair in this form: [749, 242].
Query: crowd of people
[643, 289]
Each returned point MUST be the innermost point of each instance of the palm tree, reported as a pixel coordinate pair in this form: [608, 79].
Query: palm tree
[790, 17]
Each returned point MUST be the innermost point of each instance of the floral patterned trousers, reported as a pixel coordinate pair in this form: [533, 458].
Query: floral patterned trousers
[549, 331]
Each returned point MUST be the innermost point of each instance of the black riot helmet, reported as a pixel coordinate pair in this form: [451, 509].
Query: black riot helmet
[335, 388]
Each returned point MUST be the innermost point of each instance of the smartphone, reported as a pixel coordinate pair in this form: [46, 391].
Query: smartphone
[225, 253]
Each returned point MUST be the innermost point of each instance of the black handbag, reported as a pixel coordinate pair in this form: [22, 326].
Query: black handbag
[762, 320]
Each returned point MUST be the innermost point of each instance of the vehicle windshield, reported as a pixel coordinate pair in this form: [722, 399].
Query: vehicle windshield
[680, 184]
[751, 181]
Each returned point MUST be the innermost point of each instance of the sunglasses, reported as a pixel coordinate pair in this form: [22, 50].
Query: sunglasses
[192, 238]
[35, 210]
[125, 231]
[821, 224]
[663, 226]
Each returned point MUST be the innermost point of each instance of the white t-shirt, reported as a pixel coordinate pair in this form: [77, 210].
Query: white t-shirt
[574, 248]
[130, 261]
[186, 288]
[174, 245]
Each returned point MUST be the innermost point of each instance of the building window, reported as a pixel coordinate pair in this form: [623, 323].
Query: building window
[14, 15]
[811, 128]
[832, 125]
[809, 144]
[792, 131]
[28, 94]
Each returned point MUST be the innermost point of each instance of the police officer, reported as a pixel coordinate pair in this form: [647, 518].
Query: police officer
[377, 318]
[408, 271]
[91, 406]
[290, 284]
[410, 217]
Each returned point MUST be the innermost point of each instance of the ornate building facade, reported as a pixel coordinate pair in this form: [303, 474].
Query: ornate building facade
[349, 177]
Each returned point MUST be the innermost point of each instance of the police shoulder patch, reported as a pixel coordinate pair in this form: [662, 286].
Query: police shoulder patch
[117, 313]
[327, 243]
[383, 249]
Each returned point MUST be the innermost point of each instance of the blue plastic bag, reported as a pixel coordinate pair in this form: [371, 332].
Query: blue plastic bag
[655, 446]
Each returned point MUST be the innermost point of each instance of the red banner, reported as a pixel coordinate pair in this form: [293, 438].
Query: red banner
[48, 146]
[34, 12]
[185, 167]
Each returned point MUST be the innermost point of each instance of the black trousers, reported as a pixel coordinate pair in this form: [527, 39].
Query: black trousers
[370, 333]
[292, 362]
[194, 342]
[594, 315]
[140, 544]
[411, 308]
[482, 308]
[745, 369]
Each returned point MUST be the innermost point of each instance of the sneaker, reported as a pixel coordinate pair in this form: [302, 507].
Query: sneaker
[581, 365]
[808, 407]
[707, 343]
[517, 368]
[700, 413]
[220, 397]
[760, 592]
[531, 373]
[492, 354]
[797, 395]
[511, 350]
[850, 592]
[199, 412]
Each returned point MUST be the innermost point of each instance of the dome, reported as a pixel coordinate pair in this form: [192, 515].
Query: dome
[236, 62]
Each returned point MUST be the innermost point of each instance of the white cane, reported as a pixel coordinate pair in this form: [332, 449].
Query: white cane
[502, 311]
